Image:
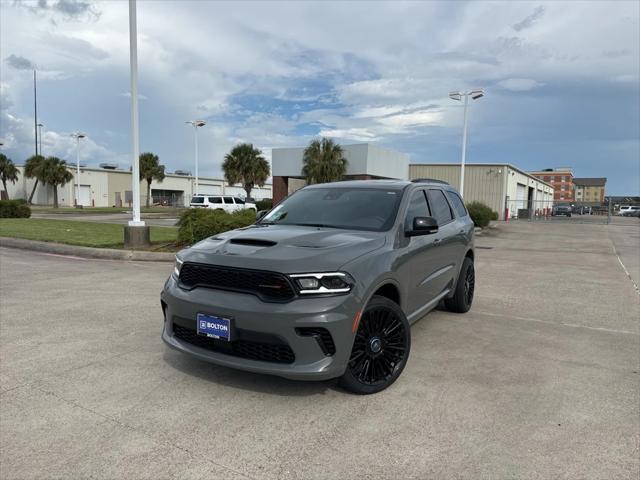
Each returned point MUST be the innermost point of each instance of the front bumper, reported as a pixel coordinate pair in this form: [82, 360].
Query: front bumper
[250, 314]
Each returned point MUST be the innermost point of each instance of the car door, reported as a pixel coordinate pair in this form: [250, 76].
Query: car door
[420, 252]
[229, 206]
[445, 243]
[463, 226]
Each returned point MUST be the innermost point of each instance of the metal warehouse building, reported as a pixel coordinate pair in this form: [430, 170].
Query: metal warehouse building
[109, 187]
[503, 187]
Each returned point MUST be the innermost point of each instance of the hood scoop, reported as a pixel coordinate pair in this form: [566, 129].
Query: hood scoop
[252, 242]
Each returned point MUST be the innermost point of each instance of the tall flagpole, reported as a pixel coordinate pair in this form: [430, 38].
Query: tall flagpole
[135, 140]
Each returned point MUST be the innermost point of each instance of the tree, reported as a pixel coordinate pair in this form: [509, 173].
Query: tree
[150, 170]
[323, 161]
[53, 171]
[32, 168]
[8, 172]
[245, 164]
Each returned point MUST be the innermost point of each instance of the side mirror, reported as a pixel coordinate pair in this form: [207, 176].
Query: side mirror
[261, 214]
[423, 226]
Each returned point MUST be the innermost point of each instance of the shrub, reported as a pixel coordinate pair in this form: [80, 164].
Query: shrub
[481, 214]
[266, 204]
[197, 224]
[14, 209]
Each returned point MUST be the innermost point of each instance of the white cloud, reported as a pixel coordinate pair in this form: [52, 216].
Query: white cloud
[519, 84]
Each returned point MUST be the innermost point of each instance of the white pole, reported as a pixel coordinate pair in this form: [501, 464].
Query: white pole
[135, 142]
[77, 170]
[195, 128]
[464, 144]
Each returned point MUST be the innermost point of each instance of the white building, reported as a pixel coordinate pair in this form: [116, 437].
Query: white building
[103, 187]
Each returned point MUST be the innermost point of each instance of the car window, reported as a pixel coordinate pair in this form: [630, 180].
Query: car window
[417, 208]
[215, 200]
[197, 199]
[457, 204]
[228, 199]
[440, 209]
[239, 201]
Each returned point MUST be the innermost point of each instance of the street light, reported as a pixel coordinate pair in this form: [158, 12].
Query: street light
[475, 95]
[40, 125]
[77, 136]
[196, 124]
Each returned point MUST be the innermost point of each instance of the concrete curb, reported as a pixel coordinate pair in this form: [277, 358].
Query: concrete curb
[86, 252]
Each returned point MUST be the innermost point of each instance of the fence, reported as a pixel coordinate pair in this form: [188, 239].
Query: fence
[548, 210]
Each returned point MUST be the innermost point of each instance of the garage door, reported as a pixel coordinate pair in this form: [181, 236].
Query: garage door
[204, 189]
[521, 195]
[85, 194]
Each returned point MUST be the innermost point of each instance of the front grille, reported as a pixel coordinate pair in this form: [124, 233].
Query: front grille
[322, 336]
[272, 350]
[268, 286]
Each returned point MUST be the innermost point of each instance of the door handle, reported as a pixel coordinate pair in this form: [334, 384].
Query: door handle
[437, 241]
[462, 231]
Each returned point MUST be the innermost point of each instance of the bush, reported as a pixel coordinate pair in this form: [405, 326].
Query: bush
[481, 214]
[14, 209]
[266, 204]
[197, 224]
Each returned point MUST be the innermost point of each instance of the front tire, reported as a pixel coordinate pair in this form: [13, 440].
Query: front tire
[380, 349]
[463, 296]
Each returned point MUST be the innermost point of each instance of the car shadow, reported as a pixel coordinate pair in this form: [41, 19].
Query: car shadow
[254, 382]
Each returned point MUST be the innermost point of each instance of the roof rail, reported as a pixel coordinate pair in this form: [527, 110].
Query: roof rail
[428, 180]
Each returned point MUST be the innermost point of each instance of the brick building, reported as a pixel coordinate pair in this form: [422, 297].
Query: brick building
[589, 190]
[562, 181]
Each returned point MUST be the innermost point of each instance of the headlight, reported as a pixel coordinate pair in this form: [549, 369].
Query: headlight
[177, 265]
[323, 283]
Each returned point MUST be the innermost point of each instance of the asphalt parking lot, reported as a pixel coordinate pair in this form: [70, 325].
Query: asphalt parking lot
[540, 380]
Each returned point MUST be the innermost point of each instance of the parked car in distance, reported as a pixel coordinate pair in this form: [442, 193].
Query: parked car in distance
[629, 211]
[559, 210]
[227, 203]
[325, 285]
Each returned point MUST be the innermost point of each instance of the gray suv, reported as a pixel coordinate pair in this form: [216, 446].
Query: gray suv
[326, 284]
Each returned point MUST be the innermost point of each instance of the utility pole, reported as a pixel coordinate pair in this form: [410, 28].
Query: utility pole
[35, 110]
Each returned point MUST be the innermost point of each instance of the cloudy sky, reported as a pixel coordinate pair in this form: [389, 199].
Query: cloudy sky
[562, 79]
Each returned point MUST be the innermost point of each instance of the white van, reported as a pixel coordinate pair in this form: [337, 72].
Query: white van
[221, 202]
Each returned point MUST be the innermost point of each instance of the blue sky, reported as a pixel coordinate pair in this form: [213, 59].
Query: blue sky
[562, 80]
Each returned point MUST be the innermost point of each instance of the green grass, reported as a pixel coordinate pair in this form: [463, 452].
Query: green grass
[172, 211]
[71, 232]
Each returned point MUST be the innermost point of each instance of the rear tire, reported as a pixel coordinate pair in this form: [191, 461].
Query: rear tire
[380, 349]
[463, 296]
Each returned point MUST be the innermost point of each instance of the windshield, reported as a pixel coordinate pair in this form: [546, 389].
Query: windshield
[348, 208]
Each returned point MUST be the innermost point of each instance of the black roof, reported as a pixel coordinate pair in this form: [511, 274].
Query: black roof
[380, 183]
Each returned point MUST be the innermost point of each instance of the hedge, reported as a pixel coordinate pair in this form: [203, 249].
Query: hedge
[481, 214]
[197, 224]
[14, 209]
[266, 204]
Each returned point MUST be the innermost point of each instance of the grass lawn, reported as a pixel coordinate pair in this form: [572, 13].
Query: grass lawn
[171, 211]
[88, 234]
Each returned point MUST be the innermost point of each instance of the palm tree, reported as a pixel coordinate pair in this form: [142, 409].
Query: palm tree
[8, 172]
[150, 170]
[32, 169]
[54, 172]
[245, 164]
[323, 161]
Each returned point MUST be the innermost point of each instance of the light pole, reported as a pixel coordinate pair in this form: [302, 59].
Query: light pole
[40, 125]
[135, 139]
[77, 136]
[474, 94]
[196, 124]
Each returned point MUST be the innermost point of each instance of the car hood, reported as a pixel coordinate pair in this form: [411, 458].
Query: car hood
[284, 248]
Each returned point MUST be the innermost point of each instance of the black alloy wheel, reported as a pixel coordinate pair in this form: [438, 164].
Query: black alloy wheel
[462, 297]
[380, 348]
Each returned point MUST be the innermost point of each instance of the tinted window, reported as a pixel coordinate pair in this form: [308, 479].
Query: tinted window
[439, 207]
[239, 201]
[197, 200]
[348, 208]
[215, 200]
[228, 199]
[457, 204]
[417, 208]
